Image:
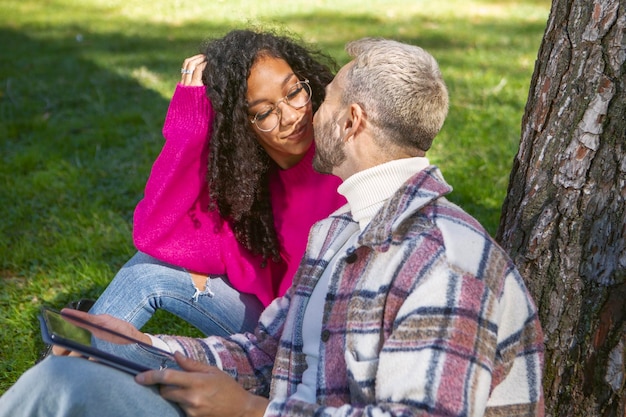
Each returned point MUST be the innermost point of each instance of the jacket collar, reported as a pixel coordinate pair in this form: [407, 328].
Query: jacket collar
[420, 190]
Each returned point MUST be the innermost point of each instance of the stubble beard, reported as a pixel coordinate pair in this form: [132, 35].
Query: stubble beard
[329, 151]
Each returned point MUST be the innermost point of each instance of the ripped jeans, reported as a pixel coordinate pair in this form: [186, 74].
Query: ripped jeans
[145, 284]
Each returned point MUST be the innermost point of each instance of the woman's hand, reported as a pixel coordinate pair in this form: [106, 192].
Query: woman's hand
[204, 390]
[191, 71]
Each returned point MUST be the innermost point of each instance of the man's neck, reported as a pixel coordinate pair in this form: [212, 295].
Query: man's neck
[367, 191]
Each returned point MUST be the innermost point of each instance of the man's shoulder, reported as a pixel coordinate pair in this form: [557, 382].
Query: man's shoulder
[466, 244]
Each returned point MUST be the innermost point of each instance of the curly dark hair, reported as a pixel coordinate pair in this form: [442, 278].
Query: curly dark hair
[238, 167]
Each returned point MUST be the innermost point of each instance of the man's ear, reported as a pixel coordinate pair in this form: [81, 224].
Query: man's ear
[354, 121]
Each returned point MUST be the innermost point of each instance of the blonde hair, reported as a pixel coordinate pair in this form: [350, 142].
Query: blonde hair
[401, 89]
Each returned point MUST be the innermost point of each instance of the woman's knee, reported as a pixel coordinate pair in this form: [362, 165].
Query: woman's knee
[145, 277]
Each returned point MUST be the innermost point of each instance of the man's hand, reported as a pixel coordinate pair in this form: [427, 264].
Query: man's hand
[61, 351]
[204, 390]
[108, 322]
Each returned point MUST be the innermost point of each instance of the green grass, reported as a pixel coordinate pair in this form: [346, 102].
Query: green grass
[84, 87]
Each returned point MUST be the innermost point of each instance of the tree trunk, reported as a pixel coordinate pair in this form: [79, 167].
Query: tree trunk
[564, 218]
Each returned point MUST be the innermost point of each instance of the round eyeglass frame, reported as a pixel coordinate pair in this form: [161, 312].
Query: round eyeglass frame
[307, 89]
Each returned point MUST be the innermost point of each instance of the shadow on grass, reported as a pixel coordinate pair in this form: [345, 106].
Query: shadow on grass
[76, 141]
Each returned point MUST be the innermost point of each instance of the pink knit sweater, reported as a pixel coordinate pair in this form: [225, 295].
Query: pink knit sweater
[172, 223]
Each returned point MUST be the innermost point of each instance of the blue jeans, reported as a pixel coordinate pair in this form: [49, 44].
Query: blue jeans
[68, 386]
[145, 284]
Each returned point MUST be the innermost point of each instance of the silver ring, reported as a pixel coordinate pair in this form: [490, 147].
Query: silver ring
[185, 71]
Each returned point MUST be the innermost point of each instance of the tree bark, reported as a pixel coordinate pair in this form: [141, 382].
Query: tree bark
[564, 218]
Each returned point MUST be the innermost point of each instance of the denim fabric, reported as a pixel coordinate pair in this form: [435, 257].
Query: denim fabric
[75, 387]
[145, 284]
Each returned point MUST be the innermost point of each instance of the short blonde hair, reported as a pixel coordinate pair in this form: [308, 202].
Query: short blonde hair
[400, 88]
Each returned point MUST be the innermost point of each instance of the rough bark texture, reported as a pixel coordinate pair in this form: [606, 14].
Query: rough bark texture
[564, 219]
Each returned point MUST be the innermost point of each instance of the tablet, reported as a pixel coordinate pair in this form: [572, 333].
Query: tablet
[95, 342]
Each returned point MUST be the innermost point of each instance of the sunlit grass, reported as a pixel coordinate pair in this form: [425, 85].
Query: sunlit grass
[85, 84]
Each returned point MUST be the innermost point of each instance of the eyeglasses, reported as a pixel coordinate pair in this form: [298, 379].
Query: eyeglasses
[297, 97]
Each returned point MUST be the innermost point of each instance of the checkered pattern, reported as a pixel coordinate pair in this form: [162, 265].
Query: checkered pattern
[426, 315]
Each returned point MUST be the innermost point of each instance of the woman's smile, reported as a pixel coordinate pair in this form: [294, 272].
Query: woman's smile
[269, 81]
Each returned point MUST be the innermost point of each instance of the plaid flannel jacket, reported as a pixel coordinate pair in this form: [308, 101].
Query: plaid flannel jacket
[426, 315]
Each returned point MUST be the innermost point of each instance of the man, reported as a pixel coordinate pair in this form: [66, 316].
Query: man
[403, 305]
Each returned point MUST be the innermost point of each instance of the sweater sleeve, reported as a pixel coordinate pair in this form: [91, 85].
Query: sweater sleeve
[249, 358]
[172, 222]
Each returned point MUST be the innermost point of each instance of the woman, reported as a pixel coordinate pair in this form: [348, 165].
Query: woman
[232, 196]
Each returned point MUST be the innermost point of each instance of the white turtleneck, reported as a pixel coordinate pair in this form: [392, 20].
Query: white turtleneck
[366, 193]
